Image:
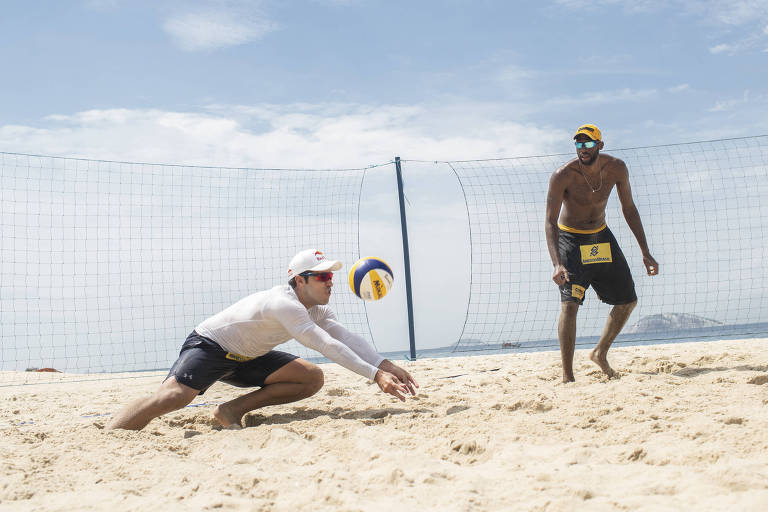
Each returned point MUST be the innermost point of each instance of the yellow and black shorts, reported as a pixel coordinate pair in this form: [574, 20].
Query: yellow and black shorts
[593, 258]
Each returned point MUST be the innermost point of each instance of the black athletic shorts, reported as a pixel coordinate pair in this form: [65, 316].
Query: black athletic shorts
[202, 362]
[595, 259]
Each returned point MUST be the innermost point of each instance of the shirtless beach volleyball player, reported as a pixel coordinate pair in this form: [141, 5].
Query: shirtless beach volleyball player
[583, 250]
[236, 346]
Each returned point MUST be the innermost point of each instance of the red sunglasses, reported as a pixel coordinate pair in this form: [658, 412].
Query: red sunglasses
[320, 276]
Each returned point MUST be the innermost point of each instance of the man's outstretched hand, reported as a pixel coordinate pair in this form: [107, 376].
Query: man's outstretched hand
[394, 380]
[402, 375]
[390, 384]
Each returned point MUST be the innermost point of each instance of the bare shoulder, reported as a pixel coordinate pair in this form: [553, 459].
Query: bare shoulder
[614, 166]
[564, 172]
[611, 162]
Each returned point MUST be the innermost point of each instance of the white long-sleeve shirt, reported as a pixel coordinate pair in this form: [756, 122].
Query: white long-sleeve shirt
[259, 322]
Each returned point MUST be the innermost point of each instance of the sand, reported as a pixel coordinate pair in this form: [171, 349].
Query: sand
[684, 427]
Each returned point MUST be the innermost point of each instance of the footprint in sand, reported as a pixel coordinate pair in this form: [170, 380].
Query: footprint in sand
[455, 409]
[759, 380]
[467, 447]
[601, 376]
[637, 455]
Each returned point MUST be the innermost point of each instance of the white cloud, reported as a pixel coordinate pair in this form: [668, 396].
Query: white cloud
[721, 48]
[620, 95]
[514, 74]
[733, 12]
[218, 25]
[628, 5]
[339, 2]
[600, 98]
[289, 136]
[734, 103]
[723, 106]
[101, 5]
[741, 21]
[678, 88]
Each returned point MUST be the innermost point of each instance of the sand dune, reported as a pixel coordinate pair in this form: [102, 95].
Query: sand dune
[684, 427]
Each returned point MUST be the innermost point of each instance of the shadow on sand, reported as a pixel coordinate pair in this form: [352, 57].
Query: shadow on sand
[368, 416]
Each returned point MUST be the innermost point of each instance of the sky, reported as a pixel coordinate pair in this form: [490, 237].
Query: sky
[321, 84]
[351, 83]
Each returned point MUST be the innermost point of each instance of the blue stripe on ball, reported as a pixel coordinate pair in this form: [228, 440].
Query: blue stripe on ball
[365, 265]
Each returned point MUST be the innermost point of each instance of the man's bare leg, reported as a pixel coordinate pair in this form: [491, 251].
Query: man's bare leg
[296, 380]
[171, 396]
[616, 320]
[566, 332]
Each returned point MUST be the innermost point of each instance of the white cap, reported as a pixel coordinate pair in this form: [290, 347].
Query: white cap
[313, 260]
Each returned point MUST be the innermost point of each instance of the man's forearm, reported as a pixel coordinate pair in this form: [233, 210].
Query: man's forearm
[552, 234]
[636, 226]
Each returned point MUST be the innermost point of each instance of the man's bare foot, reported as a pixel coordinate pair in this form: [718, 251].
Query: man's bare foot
[601, 360]
[568, 378]
[226, 418]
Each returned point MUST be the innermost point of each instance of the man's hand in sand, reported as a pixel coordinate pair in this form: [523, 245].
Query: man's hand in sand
[402, 375]
[390, 384]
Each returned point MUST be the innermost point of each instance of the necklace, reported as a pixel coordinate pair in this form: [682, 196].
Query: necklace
[583, 175]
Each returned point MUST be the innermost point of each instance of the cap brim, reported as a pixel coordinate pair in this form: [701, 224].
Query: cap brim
[587, 135]
[326, 266]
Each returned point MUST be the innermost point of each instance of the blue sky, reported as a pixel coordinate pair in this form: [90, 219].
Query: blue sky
[319, 83]
[352, 83]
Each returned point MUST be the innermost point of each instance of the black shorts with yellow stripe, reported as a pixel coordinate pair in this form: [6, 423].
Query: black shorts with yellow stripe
[202, 362]
[594, 258]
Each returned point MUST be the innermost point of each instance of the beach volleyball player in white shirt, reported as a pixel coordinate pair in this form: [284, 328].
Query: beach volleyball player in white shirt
[236, 346]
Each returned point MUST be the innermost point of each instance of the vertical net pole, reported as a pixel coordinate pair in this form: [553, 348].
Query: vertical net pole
[406, 257]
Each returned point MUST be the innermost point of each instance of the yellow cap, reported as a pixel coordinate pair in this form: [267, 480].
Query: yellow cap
[591, 131]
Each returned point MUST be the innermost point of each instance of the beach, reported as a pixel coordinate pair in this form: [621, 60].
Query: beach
[683, 427]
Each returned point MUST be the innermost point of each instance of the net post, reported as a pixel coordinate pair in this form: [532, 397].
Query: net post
[406, 257]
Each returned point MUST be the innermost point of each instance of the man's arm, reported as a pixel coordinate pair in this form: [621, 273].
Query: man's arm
[296, 320]
[362, 348]
[316, 338]
[359, 345]
[632, 216]
[555, 195]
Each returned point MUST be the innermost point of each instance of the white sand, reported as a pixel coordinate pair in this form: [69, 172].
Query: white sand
[685, 427]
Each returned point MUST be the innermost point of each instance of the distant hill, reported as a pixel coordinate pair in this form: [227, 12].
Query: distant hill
[670, 322]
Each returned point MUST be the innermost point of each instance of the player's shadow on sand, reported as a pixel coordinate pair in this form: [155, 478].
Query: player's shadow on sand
[368, 416]
[693, 372]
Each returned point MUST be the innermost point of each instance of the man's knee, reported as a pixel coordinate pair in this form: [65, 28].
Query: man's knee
[302, 372]
[174, 395]
[569, 307]
[315, 380]
[621, 312]
[628, 307]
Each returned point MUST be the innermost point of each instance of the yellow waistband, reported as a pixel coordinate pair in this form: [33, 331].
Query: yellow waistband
[237, 357]
[581, 231]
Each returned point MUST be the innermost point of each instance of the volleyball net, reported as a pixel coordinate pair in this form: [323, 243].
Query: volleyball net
[107, 266]
[703, 208]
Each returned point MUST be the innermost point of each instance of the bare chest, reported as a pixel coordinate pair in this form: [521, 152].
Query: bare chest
[585, 193]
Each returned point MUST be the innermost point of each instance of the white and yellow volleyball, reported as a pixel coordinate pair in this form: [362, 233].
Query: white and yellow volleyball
[370, 278]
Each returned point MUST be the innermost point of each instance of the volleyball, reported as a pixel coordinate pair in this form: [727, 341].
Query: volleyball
[370, 278]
